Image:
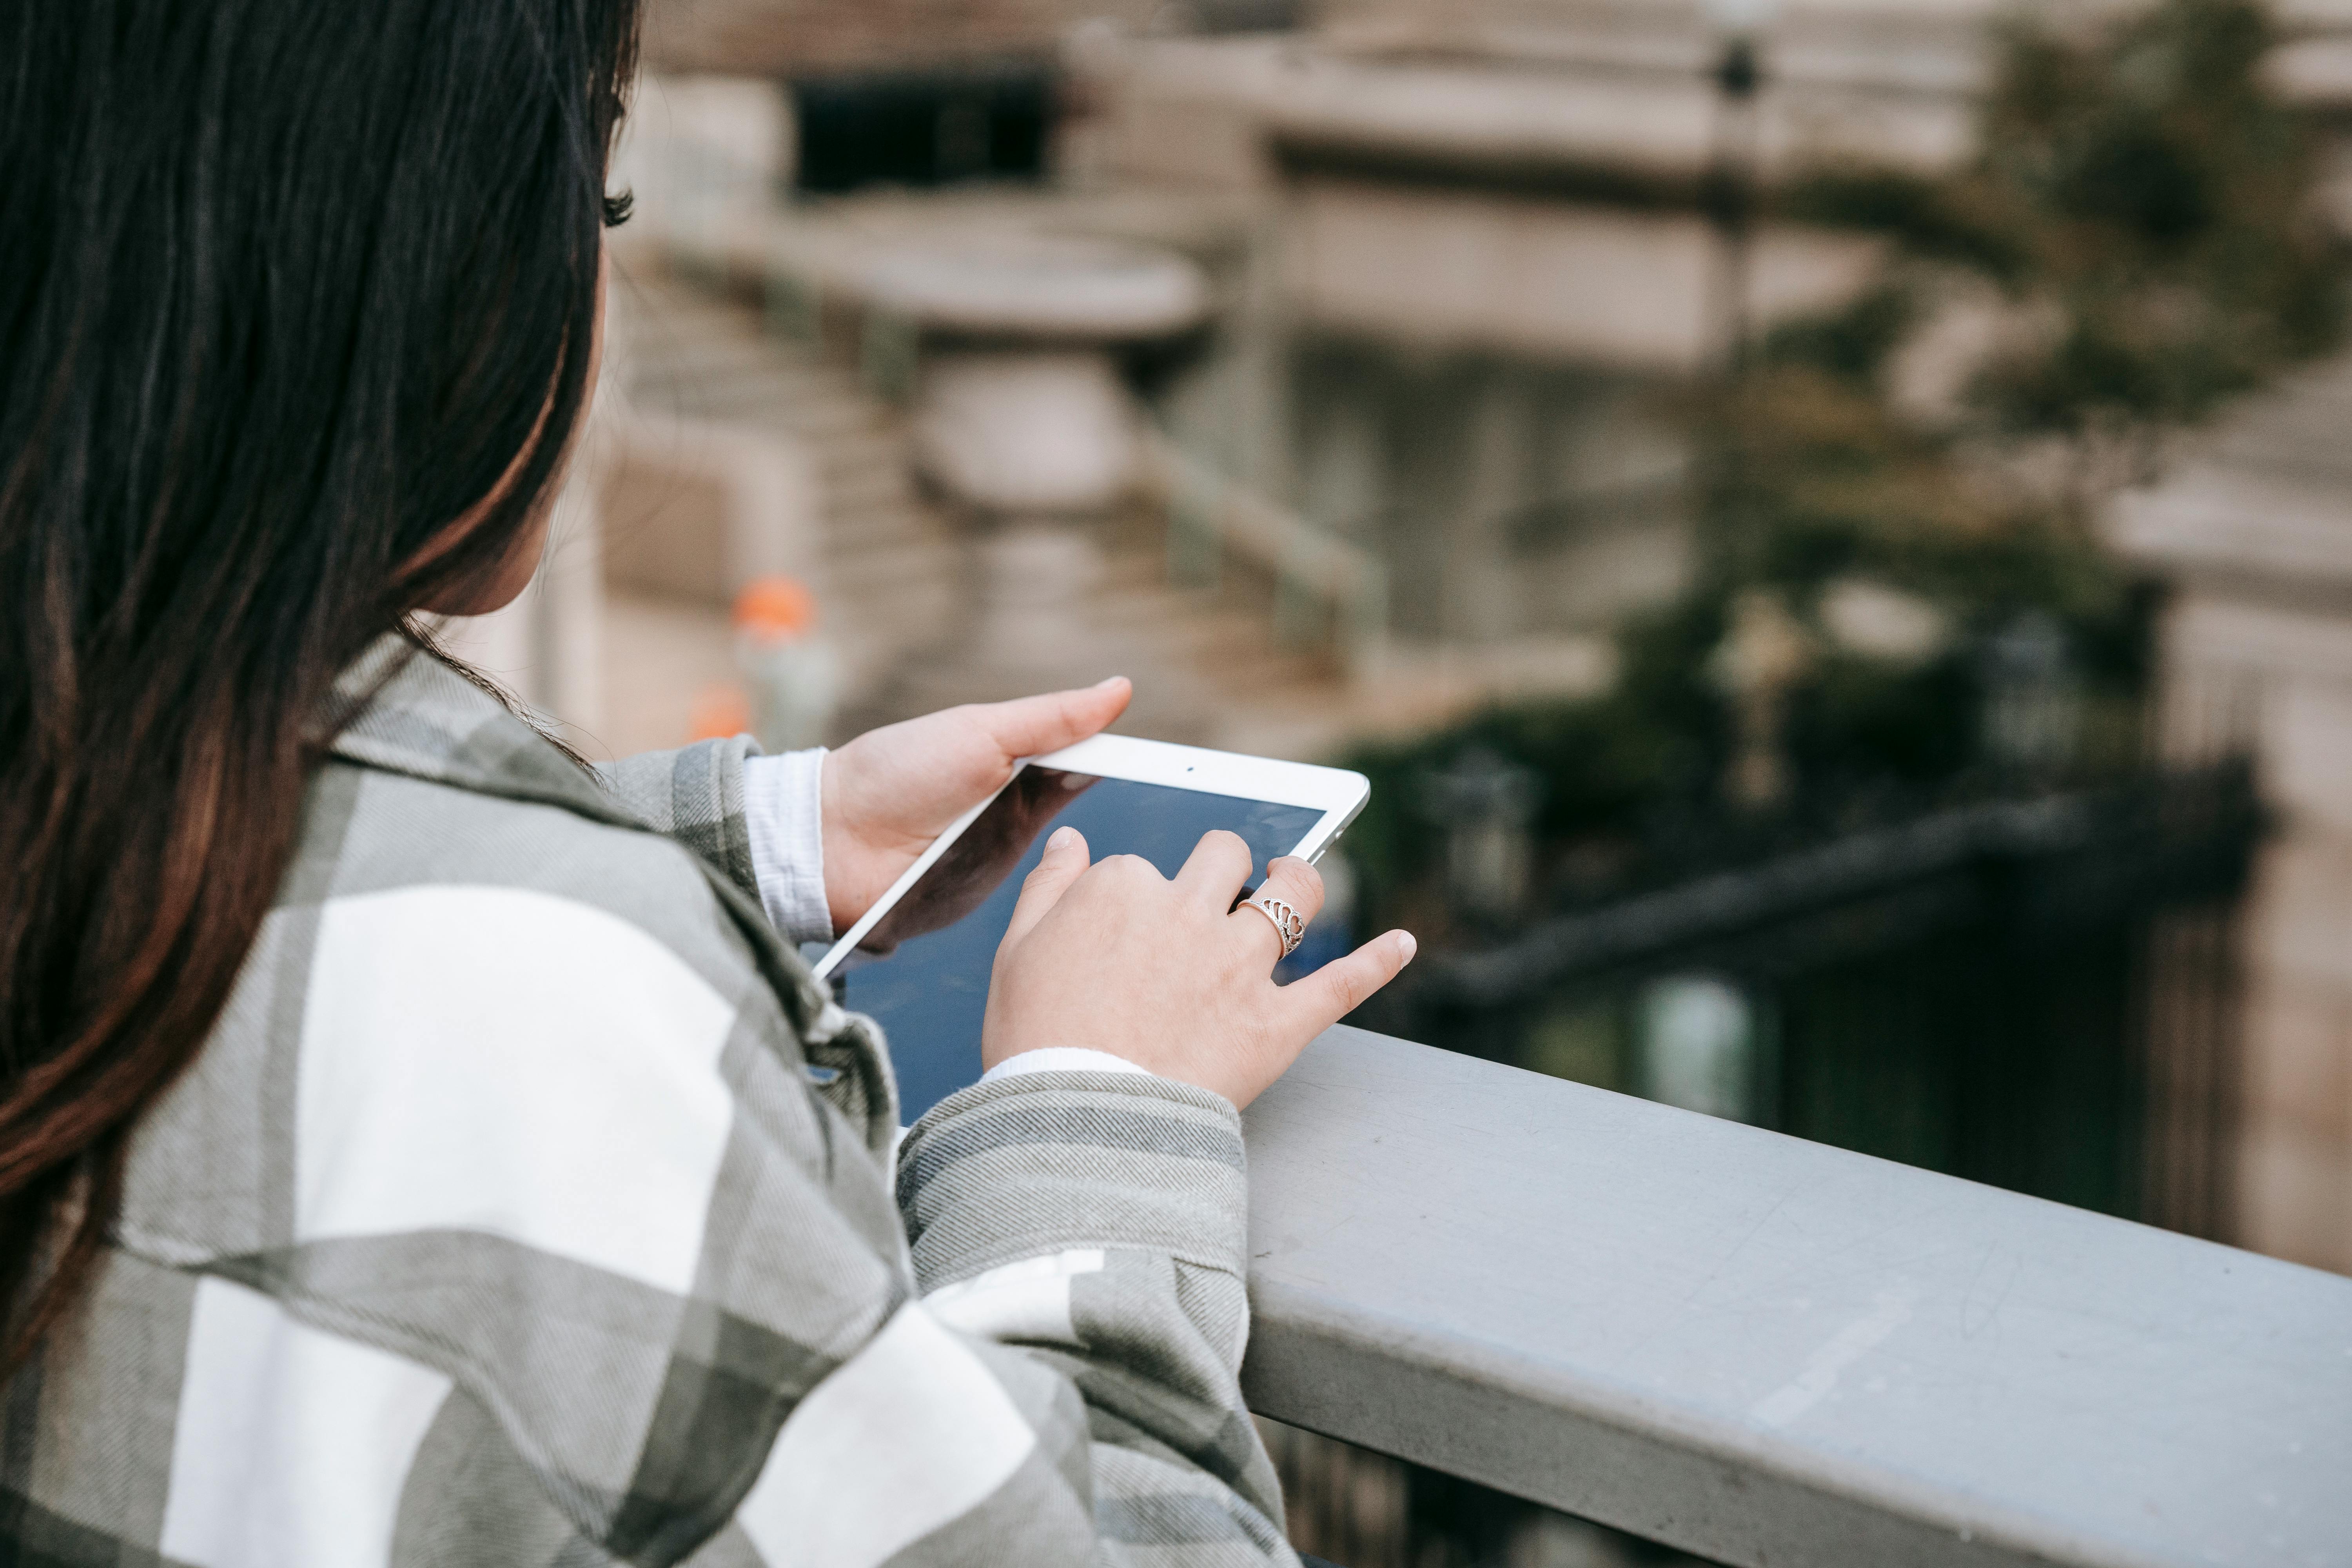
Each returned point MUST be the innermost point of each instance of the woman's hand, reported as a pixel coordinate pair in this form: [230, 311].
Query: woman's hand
[1170, 975]
[888, 793]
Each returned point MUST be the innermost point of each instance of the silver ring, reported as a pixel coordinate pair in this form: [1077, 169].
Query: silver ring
[1286, 922]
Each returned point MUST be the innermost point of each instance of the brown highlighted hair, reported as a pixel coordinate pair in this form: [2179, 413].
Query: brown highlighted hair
[292, 288]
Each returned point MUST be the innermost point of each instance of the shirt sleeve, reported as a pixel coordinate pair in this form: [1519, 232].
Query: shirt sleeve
[1061, 1387]
[783, 802]
[693, 795]
[1096, 1225]
[759, 820]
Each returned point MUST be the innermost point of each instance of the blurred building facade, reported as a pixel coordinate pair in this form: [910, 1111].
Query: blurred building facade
[2256, 528]
[1456, 286]
[1359, 338]
[1327, 368]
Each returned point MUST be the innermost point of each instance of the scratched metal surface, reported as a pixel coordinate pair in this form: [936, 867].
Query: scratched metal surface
[1770, 1352]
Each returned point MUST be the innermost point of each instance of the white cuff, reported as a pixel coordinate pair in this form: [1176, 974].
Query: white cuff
[1061, 1059]
[784, 802]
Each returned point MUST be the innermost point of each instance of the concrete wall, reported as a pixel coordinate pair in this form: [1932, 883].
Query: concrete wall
[2245, 670]
[1600, 286]
[2255, 533]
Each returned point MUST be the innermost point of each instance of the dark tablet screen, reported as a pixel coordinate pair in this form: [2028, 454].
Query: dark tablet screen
[922, 973]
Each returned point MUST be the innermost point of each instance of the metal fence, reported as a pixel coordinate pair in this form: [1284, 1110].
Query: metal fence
[1352, 1508]
[2036, 992]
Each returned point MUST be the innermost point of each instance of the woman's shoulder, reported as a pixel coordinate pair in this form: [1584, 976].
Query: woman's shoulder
[473, 1012]
[434, 786]
[547, 877]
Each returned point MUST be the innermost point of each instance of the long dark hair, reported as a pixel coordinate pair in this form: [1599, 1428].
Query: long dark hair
[291, 288]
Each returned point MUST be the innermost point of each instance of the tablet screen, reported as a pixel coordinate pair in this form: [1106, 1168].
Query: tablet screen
[922, 971]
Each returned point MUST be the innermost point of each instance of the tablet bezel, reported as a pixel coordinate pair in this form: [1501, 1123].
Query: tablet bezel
[1338, 794]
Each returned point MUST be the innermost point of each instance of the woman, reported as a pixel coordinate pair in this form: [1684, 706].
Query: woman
[414, 1150]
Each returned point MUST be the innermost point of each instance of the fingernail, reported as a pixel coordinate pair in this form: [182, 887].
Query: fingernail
[1063, 837]
[1404, 940]
[1114, 680]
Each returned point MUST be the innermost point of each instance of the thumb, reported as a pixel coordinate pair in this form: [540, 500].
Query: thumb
[1064, 863]
[1034, 725]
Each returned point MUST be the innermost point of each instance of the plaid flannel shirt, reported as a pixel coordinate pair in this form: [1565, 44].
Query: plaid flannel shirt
[531, 1205]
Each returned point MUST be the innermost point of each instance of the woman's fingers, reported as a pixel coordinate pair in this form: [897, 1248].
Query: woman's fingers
[1213, 875]
[1064, 862]
[1289, 881]
[1032, 726]
[1342, 985]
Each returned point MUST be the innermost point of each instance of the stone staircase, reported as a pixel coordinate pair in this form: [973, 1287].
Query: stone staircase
[886, 560]
[895, 576]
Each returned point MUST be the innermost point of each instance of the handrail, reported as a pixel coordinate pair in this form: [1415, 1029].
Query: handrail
[1209, 514]
[1768, 1351]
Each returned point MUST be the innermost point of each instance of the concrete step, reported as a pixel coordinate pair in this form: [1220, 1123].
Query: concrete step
[878, 534]
[867, 489]
[875, 564]
[883, 595]
[841, 443]
[756, 399]
[865, 460]
[887, 527]
[839, 412]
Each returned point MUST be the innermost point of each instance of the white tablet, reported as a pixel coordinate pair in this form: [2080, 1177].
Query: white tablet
[919, 962]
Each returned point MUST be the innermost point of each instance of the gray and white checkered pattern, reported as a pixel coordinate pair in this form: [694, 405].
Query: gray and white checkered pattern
[531, 1206]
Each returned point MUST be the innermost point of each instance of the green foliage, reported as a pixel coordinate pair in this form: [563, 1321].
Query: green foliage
[2146, 201]
[2145, 206]
[1654, 749]
[1854, 344]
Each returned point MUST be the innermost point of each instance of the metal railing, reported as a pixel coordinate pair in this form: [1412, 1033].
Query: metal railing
[1323, 584]
[2035, 864]
[2010, 981]
[1766, 1350]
